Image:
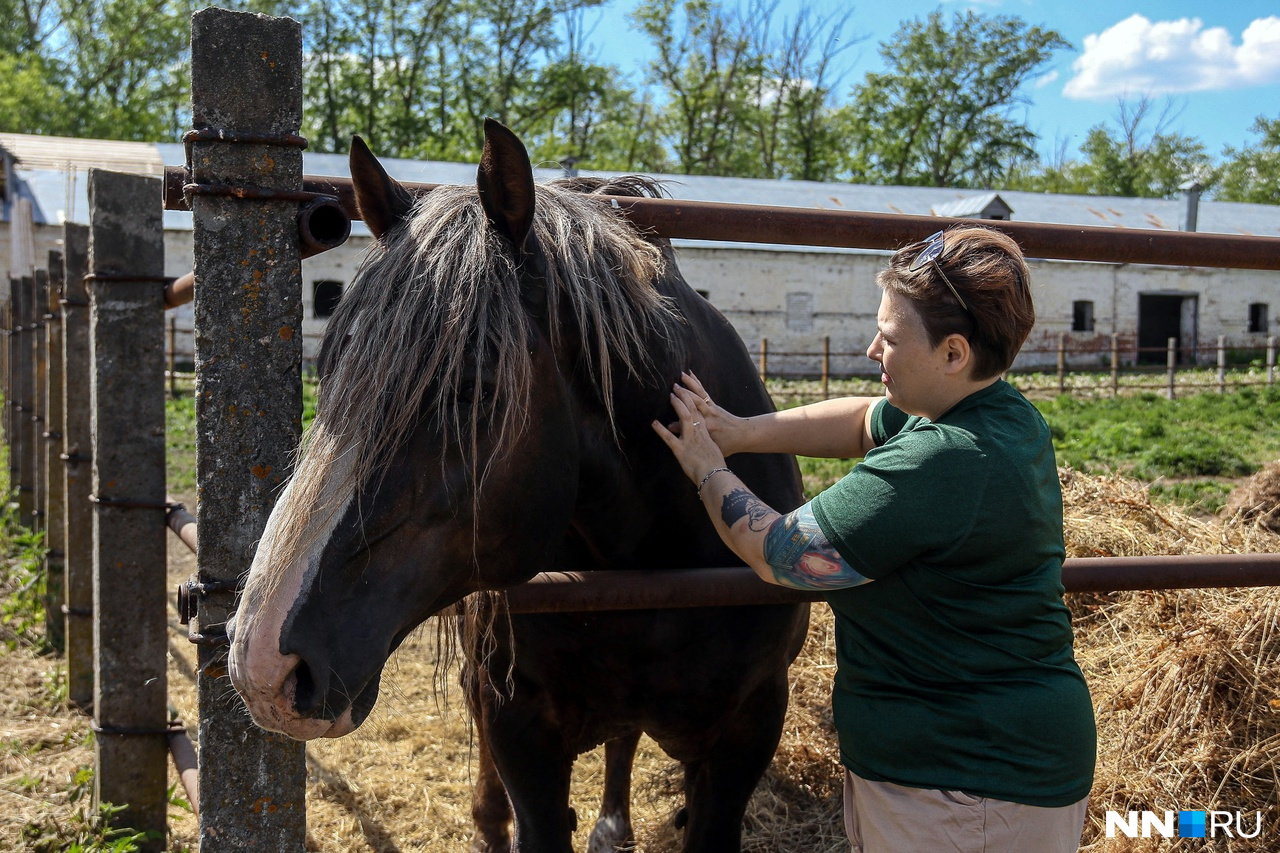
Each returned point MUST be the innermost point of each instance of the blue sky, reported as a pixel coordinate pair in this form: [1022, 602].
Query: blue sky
[1215, 65]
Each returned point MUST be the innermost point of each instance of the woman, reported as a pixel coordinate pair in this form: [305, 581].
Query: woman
[964, 722]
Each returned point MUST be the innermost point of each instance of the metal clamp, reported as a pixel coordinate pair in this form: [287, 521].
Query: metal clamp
[191, 591]
[127, 503]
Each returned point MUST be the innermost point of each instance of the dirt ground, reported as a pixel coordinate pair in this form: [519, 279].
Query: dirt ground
[1184, 683]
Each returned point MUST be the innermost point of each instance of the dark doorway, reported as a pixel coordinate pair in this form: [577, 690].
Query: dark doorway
[1162, 316]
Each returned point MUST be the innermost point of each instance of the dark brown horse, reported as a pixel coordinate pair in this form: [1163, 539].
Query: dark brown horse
[487, 386]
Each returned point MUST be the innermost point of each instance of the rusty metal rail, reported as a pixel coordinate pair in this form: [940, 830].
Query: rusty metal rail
[795, 226]
[559, 592]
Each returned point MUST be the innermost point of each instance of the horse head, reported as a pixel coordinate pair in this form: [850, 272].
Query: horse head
[452, 431]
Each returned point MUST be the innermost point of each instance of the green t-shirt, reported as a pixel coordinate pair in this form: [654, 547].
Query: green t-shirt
[955, 667]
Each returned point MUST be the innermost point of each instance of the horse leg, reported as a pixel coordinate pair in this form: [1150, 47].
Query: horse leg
[612, 831]
[719, 785]
[490, 808]
[534, 762]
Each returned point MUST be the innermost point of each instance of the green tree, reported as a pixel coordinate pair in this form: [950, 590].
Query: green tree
[1126, 159]
[1252, 173]
[943, 113]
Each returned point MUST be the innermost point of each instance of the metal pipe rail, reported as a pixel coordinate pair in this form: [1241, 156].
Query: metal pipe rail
[796, 226]
[565, 592]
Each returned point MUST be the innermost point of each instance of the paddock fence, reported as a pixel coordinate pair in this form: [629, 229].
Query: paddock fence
[84, 382]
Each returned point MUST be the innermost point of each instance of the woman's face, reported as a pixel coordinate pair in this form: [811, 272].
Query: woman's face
[912, 370]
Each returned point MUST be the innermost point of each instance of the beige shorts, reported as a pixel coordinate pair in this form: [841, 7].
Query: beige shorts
[881, 817]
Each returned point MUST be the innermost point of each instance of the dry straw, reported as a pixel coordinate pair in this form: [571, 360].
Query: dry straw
[1186, 685]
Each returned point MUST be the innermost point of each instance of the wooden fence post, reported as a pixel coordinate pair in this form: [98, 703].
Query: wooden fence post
[1271, 359]
[1115, 365]
[53, 478]
[77, 452]
[130, 611]
[1062, 362]
[826, 366]
[246, 96]
[764, 359]
[1171, 363]
[1222, 364]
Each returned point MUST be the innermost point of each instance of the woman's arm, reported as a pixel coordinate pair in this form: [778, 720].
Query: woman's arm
[839, 428]
[788, 550]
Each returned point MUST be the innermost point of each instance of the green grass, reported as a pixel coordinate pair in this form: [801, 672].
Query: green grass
[1192, 449]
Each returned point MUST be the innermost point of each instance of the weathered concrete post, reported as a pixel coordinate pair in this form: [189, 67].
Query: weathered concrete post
[246, 98]
[53, 477]
[23, 371]
[126, 397]
[77, 452]
[13, 413]
[39, 303]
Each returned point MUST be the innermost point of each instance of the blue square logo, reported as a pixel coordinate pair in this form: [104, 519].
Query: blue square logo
[1191, 824]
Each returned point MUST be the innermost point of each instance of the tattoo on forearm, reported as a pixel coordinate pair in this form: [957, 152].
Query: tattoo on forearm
[740, 502]
[802, 557]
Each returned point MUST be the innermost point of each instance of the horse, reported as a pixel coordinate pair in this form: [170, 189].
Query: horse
[487, 386]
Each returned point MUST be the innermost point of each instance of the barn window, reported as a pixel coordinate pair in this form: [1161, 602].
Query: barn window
[325, 296]
[1258, 317]
[799, 312]
[1082, 315]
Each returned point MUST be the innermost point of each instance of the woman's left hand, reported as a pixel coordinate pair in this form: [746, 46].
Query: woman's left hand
[693, 446]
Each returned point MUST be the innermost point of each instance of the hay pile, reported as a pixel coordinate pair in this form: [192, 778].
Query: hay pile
[1258, 499]
[1186, 685]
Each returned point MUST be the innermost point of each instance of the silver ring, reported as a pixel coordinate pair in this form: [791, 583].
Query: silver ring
[696, 423]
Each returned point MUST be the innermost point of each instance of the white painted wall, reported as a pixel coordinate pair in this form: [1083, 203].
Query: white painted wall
[793, 298]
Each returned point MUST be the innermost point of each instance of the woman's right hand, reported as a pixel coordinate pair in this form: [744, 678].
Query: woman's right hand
[726, 429]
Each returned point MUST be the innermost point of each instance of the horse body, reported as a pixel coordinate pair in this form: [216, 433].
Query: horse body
[503, 471]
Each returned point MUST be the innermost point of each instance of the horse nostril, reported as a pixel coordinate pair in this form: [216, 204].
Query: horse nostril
[231, 630]
[305, 695]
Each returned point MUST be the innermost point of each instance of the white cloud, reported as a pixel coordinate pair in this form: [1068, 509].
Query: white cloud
[1138, 56]
[1046, 79]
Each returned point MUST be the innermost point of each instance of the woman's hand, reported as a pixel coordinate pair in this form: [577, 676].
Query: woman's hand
[696, 437]
[727, 430]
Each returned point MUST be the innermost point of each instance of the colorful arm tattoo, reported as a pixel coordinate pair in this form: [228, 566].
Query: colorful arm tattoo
[801, 556]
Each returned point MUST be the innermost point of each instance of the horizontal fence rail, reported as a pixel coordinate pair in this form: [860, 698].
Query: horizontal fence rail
[796, 226]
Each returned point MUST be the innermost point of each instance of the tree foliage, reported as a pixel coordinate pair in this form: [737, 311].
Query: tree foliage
[733, 88]
[943, 113]
[1252, 173]
[1132, 158]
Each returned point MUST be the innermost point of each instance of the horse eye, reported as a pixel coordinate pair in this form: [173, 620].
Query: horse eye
[475, 392]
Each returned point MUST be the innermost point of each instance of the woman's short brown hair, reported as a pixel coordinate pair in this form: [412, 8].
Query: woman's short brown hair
[987, 270]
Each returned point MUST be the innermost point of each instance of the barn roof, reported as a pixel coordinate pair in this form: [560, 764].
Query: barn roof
[51, 171]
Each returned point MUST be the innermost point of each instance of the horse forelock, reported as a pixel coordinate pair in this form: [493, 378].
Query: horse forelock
[441, 307]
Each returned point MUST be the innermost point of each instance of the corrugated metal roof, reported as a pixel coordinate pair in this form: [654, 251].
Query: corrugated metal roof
[63, 153]
[1163, 214]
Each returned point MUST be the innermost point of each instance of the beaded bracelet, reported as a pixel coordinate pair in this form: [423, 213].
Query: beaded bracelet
[708, 476]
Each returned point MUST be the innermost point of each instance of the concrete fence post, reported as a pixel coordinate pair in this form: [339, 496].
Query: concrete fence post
[126, 396]
[24, 404]
[53, 477]
[77, 456]
[39, 307]
[246, 104]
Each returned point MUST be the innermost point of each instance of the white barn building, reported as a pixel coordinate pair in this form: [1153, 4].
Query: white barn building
[790, 296]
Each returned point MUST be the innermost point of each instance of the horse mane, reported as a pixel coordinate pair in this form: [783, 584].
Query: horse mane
[437, 327]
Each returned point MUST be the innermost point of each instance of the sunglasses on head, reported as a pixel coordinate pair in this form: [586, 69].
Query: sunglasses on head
[934, 246]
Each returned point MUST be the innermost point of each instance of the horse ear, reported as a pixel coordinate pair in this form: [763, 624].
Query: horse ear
[383, 202]
[505, 182]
